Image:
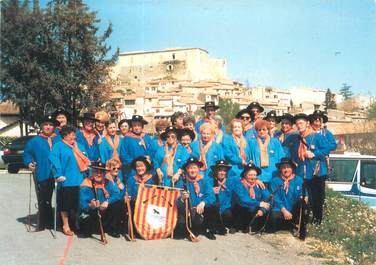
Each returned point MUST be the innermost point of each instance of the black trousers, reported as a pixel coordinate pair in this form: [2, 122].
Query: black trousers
[45, 189]
[277, 221]
[316, 192]
[200, 222]
[243, 218]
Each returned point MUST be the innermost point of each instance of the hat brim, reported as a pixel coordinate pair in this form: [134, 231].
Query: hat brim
[243, 111]
[198, 163]
[258, 170]
[165, 133]
[290, 119]
[261, 109]
[143, 160]
[313, 117]
[98, 168]
[278, 165]
[217, 167]
[142, 121]
[210, 107]
[183, 132]
[55, 123]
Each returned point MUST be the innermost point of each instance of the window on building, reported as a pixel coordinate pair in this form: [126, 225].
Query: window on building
[129, 102]
[173, 56]
[135, 77]
[170, 67]
[275, 96]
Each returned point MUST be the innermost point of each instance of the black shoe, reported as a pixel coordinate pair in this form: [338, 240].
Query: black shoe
[210, 235]
[245, 230]
[232, 230]
[221, 231]
[114, 234]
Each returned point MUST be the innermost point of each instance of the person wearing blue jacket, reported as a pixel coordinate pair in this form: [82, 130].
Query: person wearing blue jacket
[317, 121]
[287, 135]
[110, 144]
[265, 151]
[69, 162]
[156, 142]
[207, 149]
[256, 113]
[236, 149]
[62, 117]
[35, 157]
[309, 152]
[201, 199]
[170, 158]
[87, 136]
[288, 192]
[210, 108]
[273, 120]
[136, 143]
[111, 208]
[246, 116]
[257, 196]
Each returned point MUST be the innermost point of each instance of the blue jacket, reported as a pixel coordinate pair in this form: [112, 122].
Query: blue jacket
[106, 151]
[64, 164]
[214, 153]
[130, 148]
[288, 142]
[87, 195]
[133, 186]
[92, 151]
[330, 138]
[206, 193]
[320, 148]
[231, 153]
[181, 156]
[116, 194]
[250, 134]
[275, 153]
[283, 200]
[37, 150]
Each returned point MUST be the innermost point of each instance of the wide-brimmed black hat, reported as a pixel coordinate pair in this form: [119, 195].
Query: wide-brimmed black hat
[169, 129]
[221, 164]
[49, 119]
[284, 161]
[89, 116]
[318, 114]
[210, 104]
[255, 105]
[300, 116]
[138, 118]
[286, 116]
[272, 115]
[61, 111]
[250, 166]
[186, 131]
[193, 160]
[144, 159]
[244, 111]
[98, 166]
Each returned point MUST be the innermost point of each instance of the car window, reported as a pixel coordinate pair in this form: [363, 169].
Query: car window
[368, 174]
[342, 170]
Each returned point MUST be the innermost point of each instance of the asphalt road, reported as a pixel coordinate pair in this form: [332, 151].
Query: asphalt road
[17, 246]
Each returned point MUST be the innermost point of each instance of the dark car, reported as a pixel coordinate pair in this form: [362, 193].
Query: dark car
[13, 154]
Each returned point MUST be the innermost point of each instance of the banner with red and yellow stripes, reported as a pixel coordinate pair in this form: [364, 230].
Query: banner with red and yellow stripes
[156, 212]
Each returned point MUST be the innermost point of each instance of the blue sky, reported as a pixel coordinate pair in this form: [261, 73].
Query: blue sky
[285, 43]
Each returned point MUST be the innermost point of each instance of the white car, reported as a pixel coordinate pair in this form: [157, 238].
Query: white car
[354, 175]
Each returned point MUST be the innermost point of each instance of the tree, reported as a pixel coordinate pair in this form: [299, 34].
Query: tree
[372, 111]
[345, 91]
[54, 56]
[227, 110]
[330, 102]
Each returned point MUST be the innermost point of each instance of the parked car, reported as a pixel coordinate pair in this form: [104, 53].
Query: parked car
[13, 154]
[2, 164]
[354, 175]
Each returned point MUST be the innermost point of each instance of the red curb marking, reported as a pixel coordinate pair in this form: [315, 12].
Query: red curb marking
[66, 250]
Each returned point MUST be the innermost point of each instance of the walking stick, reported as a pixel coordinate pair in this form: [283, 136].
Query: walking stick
[55, 210]
[103, 235]
[29, 217]
[130, 235]
[303, 211]
[188, 215]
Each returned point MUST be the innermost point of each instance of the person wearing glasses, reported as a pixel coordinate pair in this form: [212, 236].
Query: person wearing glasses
[246, 116]
[170, 158]
[210, 108]
[236, 149]
[256, 110]
[265, 151]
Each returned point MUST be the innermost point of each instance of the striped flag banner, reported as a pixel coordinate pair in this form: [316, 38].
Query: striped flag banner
[156, 212]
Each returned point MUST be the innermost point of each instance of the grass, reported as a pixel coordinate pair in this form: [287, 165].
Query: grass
[347, 234]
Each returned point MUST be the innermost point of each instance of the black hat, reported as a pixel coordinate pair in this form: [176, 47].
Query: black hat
[255, 105]
[49, 119]
[243, 111]
[250, 166]
[301, 116]
[318, 114]
[286, 160]
[193, 160]
[210, 104]
[221, 164]
[186, 131]
[272, 115]
[138, 118]
[98, 165]
[145, 160]
[88, 116]
[286, 116]
[121, 122]
[168, 130]
[61, 111]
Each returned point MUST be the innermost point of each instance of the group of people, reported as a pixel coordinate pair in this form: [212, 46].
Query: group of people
[253, 177]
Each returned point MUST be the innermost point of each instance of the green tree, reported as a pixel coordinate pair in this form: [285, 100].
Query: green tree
[345, 91]
[372, 111]
[330, 102]
[227, 110]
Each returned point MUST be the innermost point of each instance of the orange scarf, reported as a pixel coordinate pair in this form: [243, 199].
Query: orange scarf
[114, 145]
[264, 157]
[88, 183]
[286, 182]
[222, 184]
[142, 179]
[139, 137]
[195, 183]
[110, 178]
[82, 161]
[241, 143]
[203, 151]
[49, 138]
[282, 137]
[303, 143]
[250, 188]
[169, 158]
[89, 136]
